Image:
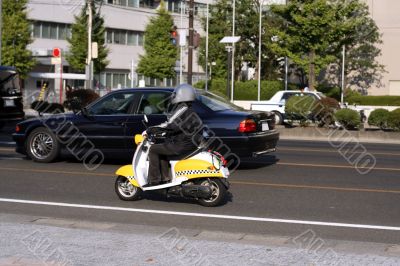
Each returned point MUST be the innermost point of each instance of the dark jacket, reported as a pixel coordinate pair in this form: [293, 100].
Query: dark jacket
[182, 126]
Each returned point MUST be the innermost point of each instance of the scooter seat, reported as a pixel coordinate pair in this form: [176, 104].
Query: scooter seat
[184, 155]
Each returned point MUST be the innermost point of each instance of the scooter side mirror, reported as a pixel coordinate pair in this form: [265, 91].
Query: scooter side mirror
[138, 139]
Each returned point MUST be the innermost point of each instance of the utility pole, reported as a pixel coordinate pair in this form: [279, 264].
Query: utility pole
[89, 55]
[190, 55]
[1, 26]
[207, 22]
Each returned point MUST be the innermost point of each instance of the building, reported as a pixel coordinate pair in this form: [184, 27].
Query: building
[125, 22]
[386, 15]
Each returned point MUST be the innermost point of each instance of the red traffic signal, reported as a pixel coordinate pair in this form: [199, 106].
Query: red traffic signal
[174, 36]
[56, 52]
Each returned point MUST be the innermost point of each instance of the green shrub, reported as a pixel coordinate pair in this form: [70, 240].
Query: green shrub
[248, 90]
[374, 100]
[379, 118]
[394, 119]
[78, 99]
[324, 111]
[350, 119]
[333, 92]
[300, 108]
[200, 84]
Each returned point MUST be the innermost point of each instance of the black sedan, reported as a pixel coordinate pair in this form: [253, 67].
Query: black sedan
[107, 126]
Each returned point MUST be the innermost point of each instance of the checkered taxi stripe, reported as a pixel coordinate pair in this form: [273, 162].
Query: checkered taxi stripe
[196, 172]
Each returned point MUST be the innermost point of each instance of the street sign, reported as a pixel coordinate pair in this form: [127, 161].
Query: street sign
[56, 60]
[56, 52]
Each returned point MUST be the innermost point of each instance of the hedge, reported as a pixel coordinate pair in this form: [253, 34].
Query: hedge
[394, 119]
[374, 100]
[350, 119]
[246, 90]
[379, 117]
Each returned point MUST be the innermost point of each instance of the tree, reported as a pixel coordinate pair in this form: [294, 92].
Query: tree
[78, 43]
[315, 32]
[247, 27]
[360, 35]
[160, 54]
[307, 37]
[16, 36]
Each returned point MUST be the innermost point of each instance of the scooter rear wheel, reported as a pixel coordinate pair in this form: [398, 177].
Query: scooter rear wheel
[218, 193]
[125, 190]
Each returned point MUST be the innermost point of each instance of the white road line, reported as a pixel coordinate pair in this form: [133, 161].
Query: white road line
[204, 215]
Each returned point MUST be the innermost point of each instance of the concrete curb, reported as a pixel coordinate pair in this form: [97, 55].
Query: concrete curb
[338, 135]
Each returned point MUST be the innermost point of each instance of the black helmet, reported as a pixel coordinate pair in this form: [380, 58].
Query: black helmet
[183, 93]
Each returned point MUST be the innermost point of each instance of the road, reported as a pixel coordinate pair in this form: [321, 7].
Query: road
[304, 185]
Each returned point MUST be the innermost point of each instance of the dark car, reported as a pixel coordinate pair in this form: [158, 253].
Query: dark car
[11, 107]
[110, 123]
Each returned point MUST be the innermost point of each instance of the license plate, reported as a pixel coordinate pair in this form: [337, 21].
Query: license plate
[8, 103]
[264, 126]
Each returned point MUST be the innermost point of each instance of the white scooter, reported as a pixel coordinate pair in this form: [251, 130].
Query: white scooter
[201, 175]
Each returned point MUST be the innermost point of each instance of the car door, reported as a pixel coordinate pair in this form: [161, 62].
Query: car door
[153, 104]
[103, 123]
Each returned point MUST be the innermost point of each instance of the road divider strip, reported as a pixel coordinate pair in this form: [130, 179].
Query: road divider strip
[201, 215]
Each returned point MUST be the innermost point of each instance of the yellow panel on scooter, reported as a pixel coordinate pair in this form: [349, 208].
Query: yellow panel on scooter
[193, 168]
[138, 138]
[127, 171]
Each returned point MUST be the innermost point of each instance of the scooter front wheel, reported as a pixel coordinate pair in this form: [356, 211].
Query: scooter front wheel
[218, 193]
[125, 190]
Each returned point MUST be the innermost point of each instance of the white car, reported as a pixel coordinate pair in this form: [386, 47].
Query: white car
[277, 103]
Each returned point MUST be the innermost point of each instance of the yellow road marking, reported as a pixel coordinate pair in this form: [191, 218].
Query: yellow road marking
[337, 166]
[5, 149]
[316, 187]
[55, 172]
[335, 151]
[233, 182]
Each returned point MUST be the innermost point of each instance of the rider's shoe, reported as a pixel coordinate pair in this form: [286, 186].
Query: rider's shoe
[165, 181]
[152, 184]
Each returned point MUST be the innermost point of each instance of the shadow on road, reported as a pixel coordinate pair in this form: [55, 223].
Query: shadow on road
[162, 196]
[258, 162]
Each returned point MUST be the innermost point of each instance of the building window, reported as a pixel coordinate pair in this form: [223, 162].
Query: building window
[124, 37]
[50, 30]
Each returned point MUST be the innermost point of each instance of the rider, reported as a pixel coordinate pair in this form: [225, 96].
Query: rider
[179, 128]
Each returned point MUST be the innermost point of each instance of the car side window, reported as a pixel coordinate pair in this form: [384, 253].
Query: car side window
[113, 104]
[286, 96]
[153, 103]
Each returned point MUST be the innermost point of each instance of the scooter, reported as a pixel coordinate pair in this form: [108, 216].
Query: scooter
[201, 175]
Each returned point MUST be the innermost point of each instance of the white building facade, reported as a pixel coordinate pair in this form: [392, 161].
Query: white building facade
[125, 22]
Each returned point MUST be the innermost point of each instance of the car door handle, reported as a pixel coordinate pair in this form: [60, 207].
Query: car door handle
[280, 105]
[119, 124]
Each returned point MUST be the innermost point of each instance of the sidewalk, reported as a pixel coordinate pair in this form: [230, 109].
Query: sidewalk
[45, 241]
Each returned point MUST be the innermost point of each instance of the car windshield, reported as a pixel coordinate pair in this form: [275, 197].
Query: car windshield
[216, 103]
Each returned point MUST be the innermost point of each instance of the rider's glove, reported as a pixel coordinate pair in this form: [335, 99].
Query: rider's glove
[163, 125]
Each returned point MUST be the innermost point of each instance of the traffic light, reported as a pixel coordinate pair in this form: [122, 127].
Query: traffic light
[174, 36]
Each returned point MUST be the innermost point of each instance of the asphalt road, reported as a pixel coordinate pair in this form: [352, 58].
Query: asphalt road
[304, 185]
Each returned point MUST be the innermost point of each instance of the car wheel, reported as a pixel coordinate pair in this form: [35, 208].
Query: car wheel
[218, 193]
[42, 145]
[278, 118]
[125, 190]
